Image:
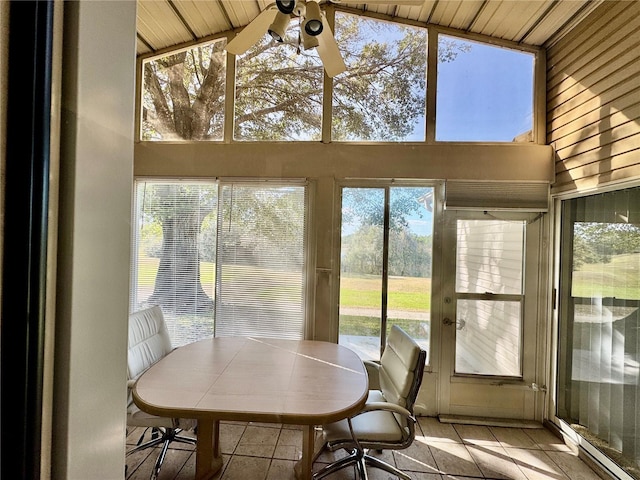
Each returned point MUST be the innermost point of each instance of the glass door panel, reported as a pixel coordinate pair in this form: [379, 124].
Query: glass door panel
[489, 293]
[362, 244]
[488, 338]
[385, 273]
[409, 265]
[489, 334]
[598, 386]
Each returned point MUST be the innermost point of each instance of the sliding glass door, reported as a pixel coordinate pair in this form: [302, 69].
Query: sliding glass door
[385, 265]
[222, 258]
[599, 311]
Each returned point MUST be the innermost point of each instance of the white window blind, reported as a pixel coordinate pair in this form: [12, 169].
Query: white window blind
[245, 278]
[497, 195]
[174, 254]
[598, 386]
[261, 260]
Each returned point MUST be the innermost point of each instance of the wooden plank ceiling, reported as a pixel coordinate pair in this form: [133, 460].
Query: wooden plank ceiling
[164, 24]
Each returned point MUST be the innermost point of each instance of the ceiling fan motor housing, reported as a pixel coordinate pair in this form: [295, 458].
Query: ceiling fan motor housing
[315, 31]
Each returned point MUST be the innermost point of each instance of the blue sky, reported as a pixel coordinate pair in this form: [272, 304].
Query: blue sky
[485, 94]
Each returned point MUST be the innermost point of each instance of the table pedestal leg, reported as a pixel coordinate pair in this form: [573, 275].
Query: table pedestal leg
[304, 466]
[208, 458]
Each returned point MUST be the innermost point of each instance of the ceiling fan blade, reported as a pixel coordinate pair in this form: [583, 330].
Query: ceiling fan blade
[328, 50]
[252, 33]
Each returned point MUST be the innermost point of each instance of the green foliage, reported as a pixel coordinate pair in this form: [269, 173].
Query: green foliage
[363, 208]
[383, 93]
[595, 242]
[151, 239]
[449, 48]
[278, 92]
[263, 226]
[409, 254]
[279, 87]
[183, 94]
[187, 210]
[165, 200]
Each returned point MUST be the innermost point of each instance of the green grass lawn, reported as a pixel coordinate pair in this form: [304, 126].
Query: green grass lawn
[619, 278]
[405, 293]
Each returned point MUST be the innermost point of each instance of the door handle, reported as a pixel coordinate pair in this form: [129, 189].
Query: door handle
[459, 325]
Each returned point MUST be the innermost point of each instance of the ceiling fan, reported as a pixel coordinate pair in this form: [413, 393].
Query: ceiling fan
[315, 31]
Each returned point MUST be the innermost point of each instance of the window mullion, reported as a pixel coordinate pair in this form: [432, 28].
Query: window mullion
[432, 84]
[327, 85]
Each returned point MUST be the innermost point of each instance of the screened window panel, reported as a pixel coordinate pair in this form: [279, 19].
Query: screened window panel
[278, 95]
[488, 338]
[183, 94]
[382, 96]
[261, 261]
[370, 300]
[484, 92]
[490, 256]
[174, 254]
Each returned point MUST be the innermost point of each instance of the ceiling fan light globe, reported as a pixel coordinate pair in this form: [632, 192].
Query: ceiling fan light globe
[278, 28]
[313, 19]
[308, 42]
[313, 27]
[276, 36]
[286, 6]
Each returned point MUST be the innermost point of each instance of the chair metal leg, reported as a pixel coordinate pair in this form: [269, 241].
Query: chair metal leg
[352, 459]
[150, 443]
[168, 435]
[362, 468]
[376, 462]
[360, 459]
[160, 459]
[183, 439]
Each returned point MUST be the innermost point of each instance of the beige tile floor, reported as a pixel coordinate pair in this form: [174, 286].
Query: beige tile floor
[440, 451]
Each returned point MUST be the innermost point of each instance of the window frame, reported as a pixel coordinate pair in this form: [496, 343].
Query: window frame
[562, 263]
[436, 276]
[433, 33]
[308, 247]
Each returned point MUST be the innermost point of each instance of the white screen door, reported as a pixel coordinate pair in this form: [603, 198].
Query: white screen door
[488, 329]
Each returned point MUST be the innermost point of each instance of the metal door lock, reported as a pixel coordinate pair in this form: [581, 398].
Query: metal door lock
[460, 324]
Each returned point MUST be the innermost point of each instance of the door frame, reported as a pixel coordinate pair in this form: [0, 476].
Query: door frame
[494, 396]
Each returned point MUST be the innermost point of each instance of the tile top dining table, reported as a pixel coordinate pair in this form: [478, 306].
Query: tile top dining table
[299, 382]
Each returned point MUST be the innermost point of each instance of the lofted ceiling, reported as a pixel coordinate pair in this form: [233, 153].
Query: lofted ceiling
[163, 24]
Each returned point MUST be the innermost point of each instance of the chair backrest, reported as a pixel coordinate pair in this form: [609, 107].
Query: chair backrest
[401, 368]
[149, 340]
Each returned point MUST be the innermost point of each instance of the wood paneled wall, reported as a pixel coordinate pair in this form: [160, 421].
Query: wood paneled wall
[593, 99]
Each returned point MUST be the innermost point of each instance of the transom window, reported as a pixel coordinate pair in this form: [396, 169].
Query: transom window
[281, 93]
[486, 95]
